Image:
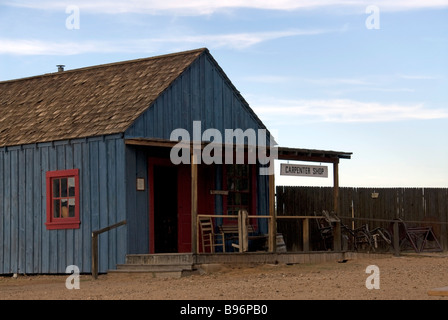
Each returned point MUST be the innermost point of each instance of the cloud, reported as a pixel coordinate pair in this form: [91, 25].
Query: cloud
[206, 7]
[39, 47]
[346, 110]
[148, 45]
[418, 77]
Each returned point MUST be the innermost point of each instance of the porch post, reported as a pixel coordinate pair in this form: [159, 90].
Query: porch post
[337, 228]
[273, 220]
[194, 201]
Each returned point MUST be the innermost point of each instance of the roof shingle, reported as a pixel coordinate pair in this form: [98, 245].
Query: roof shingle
[99, 100]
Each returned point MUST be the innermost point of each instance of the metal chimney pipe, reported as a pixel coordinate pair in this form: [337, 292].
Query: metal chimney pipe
[60, 67]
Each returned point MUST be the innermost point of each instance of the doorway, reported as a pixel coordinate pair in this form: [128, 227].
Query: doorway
[165, 209]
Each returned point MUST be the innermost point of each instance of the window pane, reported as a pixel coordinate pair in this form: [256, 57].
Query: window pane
[56, 188]
[71, 208]
[231, 199]
[56, 208]
[245, 199]
[64, 187]
[64, 208]
[71, 187]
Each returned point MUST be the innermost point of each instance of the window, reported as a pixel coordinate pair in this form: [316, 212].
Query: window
[238, 180]
[63, 199]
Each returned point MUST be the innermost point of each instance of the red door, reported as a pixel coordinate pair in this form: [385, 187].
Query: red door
[206, 201]
[184, 208]
[182, 201]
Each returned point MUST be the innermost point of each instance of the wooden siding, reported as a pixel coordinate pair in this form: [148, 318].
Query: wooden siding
[26, 246]
[137, 202]
[202, 93]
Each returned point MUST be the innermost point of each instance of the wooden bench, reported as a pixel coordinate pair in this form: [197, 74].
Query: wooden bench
[230, 229]
[230, 232]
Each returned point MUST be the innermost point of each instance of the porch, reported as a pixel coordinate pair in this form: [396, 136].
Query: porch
[183, 264]
[198, 195]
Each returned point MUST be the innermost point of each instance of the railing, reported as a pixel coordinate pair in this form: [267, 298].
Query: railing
[242, 236]
[242, 228]
[95, 246]
[395, 228]
[305, 229]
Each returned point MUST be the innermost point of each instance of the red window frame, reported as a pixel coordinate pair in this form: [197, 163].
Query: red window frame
[55, 220]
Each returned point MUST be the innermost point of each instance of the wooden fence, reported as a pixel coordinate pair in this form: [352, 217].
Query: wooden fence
[417, 206]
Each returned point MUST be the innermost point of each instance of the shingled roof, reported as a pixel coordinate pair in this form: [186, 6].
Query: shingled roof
[99, 100]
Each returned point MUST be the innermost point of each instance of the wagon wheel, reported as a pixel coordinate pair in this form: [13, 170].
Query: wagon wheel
[348, 239]
[428, 222]
[363, 241]
[382, 240]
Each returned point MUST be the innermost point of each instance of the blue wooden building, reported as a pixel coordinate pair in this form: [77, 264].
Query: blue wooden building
[83, 149]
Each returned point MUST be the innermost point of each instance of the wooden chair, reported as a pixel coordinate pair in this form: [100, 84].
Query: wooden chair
[208, 235]
[417, 237]
[325, 229]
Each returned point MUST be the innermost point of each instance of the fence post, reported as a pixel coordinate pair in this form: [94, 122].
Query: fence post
[306, 234]
[396, 239]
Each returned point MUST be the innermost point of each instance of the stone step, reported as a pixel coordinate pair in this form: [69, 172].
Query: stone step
[154, 268]
[153, 274]
[158, 265]
[160, 259]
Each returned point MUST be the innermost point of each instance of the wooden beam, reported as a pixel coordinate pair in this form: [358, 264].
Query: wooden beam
[336, 187]
[273, 221]
[194, 202]
[337, 228]
[306, 235]
[308, 158]
[396, 230]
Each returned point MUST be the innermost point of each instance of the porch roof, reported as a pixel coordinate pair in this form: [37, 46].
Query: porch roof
[314, 155]
[284, 153]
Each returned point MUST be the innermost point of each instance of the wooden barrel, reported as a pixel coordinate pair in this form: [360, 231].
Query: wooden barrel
[281, 246]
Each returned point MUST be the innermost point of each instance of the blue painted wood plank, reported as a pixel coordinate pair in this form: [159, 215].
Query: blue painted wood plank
[94, 186]
[78, 234]
[61, 234]
[103, 212]
[122, 243]
[29, 210]
[14, 210]
[53, 246]
[131, 201]
[112, 201]
[7, 214]
[85, 212]
[38, 214]
[2, 197]
[69, 233]
[45, 240]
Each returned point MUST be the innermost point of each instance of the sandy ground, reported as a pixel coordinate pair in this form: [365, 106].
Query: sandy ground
[406, 277]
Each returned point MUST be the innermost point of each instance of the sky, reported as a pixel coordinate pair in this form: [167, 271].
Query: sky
[367, 77]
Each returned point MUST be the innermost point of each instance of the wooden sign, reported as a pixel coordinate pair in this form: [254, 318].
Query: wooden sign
[302, 170]
[140, 184]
